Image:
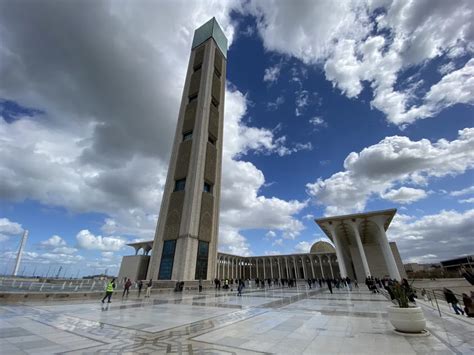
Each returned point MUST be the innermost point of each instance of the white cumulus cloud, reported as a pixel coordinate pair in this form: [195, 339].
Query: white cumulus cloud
[393, 160]
[87, 240]
[404, 195]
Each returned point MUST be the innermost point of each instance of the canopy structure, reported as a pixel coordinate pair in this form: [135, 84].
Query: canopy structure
[361, 243]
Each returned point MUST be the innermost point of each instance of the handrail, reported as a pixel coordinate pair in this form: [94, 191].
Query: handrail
[439, 293]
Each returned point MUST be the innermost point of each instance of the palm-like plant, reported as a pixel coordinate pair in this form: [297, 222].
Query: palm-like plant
[400, 294]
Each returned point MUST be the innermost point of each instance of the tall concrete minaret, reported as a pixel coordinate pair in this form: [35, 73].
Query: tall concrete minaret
[185, 245]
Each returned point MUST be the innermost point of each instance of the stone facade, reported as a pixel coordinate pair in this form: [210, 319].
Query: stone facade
[185, 243]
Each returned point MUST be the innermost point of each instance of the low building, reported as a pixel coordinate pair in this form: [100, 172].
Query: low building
[455, 265]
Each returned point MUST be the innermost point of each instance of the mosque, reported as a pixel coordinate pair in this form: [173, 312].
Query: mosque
[364, 250]
[185, 243]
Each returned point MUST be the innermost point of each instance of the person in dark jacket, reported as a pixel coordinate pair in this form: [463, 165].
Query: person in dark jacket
[126, 287]
[329, 283]
[140, 286]
[468, 305]
[451, 299]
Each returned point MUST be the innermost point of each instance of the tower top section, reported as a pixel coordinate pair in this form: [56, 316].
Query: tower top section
[211, 29]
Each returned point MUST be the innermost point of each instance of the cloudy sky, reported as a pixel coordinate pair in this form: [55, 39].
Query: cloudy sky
[331, 107]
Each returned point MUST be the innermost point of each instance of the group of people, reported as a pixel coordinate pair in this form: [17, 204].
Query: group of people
[468, 302]
[111, 285]
[373, 284]
[330, 283]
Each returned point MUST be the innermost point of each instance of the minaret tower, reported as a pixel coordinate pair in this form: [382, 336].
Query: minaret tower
[185, 245]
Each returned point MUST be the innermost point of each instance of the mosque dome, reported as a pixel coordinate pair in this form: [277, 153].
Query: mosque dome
[322, 247]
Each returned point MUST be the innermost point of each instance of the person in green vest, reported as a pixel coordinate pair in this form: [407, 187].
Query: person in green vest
[109, 290]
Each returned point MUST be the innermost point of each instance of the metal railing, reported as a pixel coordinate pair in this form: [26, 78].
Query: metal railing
[434, 296]
[78, 285]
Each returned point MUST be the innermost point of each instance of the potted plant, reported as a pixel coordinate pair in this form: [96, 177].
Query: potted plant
[405, 317]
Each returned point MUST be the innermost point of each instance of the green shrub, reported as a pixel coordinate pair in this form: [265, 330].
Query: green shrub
[400, 295]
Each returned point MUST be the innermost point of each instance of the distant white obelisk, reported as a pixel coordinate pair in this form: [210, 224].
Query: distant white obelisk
[20, 252]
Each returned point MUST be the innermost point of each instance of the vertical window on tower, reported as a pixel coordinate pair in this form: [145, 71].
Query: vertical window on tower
[167, 259]
[197, 67]
[211, 140]
[179, 185]
[187, 136]
[201, 262]
[217, 72]
[207, 188]
[214, 103]
[192, 98]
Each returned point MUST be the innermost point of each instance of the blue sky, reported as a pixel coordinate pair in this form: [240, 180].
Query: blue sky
[325, 115]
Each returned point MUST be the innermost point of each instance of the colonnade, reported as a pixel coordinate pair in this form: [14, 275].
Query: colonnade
[146, 247]
[297, 266]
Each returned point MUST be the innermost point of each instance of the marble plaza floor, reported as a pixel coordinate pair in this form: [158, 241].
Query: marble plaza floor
[280, 321]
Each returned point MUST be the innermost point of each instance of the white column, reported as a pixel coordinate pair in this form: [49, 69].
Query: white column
[321, 265]
[279, 268]
[330, 266]
[294, 268]
[303, 262]
[311, 260]
[385, 246]
[355, 227]
[264, 273]
[287, 272]
[271, 268]
[340, 259]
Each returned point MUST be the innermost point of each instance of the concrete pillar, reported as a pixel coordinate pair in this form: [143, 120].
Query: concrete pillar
[385, 246]
[279, 268]
[264, 274]
[311, 260]
[355, 227]
[340, 259]
[294, 268]
[271, 268]
[287, 272]
[303, 262]
[330, 266]
[321, 265]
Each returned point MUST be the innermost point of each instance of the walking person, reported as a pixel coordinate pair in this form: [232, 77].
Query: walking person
[109, 290]
[126, 287]
[200, 285]
[240, 287]
[328, 282]
[140, 286]
[149, 285]
[468, 305]
[451, 299]
[348, 282]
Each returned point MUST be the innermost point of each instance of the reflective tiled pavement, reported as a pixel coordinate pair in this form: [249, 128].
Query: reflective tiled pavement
[283, 321]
